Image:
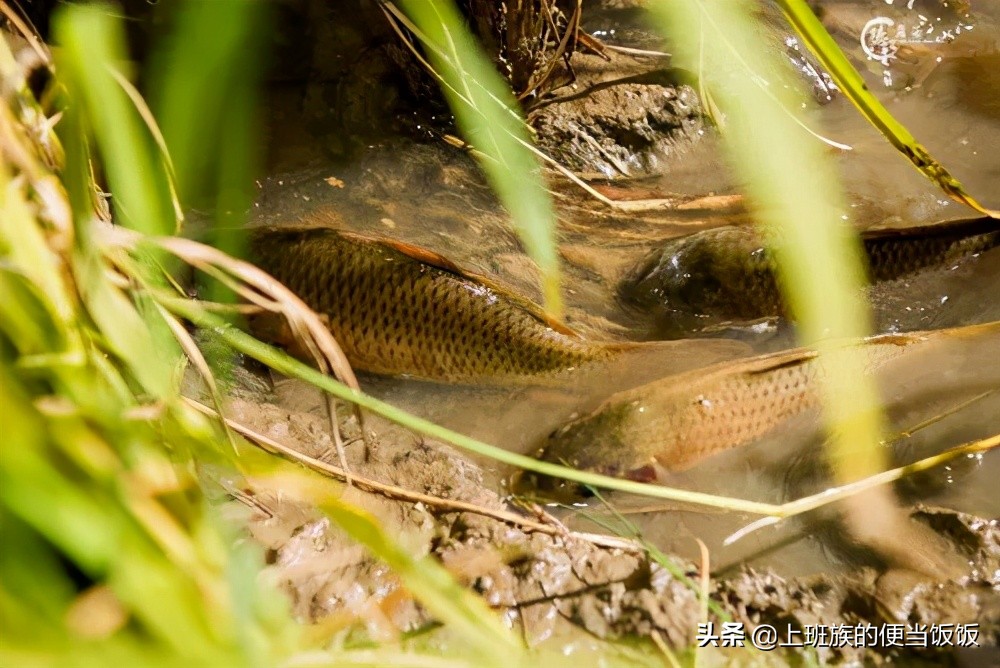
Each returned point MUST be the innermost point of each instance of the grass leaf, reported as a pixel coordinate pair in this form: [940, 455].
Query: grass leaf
[850, 82]
[485, 110]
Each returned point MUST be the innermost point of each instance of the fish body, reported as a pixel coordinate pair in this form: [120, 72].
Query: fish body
[678, 421]
[728, 273]
[401, 310]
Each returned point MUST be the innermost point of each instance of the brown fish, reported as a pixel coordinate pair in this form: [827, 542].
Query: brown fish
[680, 420]
[727, 273]
[397, 309]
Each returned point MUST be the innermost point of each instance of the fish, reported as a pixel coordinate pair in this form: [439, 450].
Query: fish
[676, 422]
[401, 310]
[729, 274]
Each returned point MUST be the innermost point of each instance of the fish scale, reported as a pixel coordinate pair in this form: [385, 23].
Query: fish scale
[399, 310]
[893, 258]
[728, 273]
[678, 421]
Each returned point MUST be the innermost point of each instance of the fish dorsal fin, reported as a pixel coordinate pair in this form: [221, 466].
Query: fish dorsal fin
[772, 362]
[425, 256]
[796, 356]
[966, 331]
[963, 227]
[439, 261]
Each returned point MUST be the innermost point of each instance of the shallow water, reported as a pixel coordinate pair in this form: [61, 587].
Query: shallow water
[949, 381]
[945, 94]
[431, 196]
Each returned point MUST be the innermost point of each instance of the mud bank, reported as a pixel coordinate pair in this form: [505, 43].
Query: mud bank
[556, 585]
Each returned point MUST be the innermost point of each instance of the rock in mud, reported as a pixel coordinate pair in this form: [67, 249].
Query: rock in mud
[619, 130]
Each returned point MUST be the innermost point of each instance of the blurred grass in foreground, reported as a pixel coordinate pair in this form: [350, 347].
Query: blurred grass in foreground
[491, 121]
[796, 197]
[111, 552]
[205, 81]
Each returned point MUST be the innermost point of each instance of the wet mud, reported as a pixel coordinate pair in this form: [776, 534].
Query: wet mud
[550, 587]
[621, 127]
[632, 126]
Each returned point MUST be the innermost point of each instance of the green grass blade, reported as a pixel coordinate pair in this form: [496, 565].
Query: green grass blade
[484, 108]
[199, 96]
[30, 572]
[796, 196]
[207, 109]
[93, 47]
[851, 83]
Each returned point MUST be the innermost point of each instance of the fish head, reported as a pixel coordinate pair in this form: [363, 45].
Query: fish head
[669, 276]
[594, 444]
[693, 278]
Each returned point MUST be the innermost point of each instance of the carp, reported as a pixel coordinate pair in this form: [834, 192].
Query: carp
[680, 420]
[729, 274]
[398, 309]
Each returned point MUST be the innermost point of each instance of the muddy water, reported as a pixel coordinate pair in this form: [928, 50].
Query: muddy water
[775, 469]
[944, 93]
[949, 382]
[431, 196]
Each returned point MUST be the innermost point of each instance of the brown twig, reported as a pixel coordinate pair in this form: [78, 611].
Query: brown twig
[592, 44]
[400, 494]
[564, 50]
[29, 32]
[259, 288]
